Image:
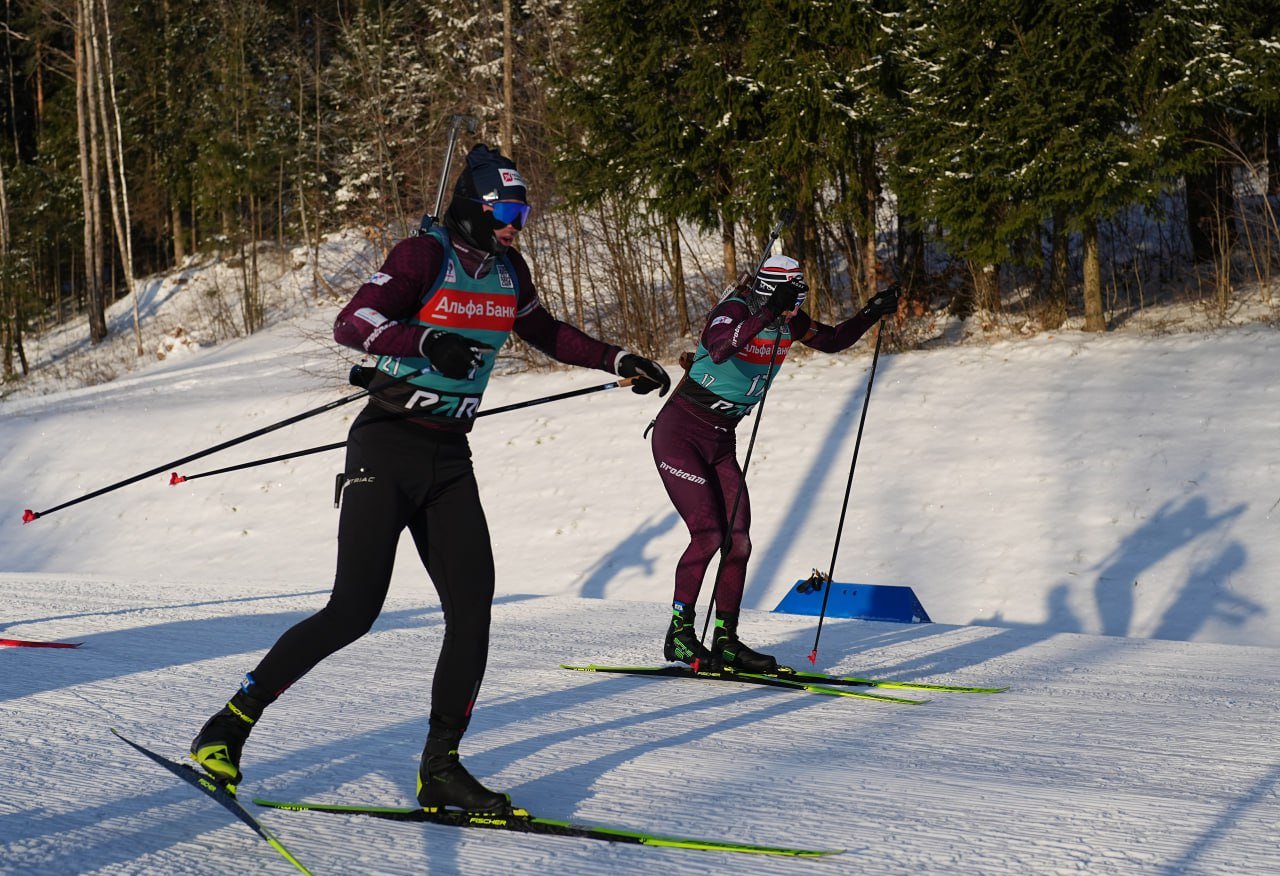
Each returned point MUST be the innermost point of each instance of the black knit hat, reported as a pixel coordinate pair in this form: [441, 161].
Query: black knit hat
[488, 176]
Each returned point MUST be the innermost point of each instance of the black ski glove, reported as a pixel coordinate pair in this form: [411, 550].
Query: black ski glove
[787, 296]
[453, 355]
[649, 374]
[884, 303]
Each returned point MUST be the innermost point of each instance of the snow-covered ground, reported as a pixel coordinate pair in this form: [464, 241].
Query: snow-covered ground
[1088, 519]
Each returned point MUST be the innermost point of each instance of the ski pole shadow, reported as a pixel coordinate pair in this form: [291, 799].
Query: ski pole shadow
[766, 565]
[1261, 794]
[166, 607]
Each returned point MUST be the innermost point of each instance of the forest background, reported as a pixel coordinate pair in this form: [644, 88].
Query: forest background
[1062, 160]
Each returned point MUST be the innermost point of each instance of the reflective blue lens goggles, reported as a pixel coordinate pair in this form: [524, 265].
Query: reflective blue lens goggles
[504, 213]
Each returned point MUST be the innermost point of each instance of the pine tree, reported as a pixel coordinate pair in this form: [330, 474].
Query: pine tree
[659, 105]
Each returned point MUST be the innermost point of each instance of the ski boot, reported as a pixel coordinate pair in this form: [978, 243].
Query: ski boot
[218, 744]
[732, 654]
[682, 640]
[443, 782]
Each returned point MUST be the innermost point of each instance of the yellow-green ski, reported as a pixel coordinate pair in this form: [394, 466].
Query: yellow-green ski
[521, 821]
[218, 791]
[678, 671]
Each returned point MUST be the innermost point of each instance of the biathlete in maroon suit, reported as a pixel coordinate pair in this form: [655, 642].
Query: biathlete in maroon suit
[742, 347]
[438, 309]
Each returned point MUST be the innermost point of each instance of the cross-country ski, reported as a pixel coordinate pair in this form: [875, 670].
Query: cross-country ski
[787, 674]
[215, 791]
[522, 821]
[28, 643]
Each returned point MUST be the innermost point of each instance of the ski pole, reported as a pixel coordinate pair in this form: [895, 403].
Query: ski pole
[28, 515]
[866, 401]
[176, 478]
[455, 122]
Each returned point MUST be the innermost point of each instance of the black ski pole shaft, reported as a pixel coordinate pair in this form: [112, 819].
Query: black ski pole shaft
[176, 478]
[179, 479]
[614, 384]
[866, 401]
[28, 515]
[455, 122]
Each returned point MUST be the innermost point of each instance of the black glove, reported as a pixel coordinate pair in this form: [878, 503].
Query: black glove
[361, 375]
[649, 374]
[884, 303]
[787, 296]
[453, 355]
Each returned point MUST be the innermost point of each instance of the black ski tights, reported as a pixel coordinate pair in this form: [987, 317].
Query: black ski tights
[400, 475]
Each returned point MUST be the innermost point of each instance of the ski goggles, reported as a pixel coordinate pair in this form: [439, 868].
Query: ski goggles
[504, 213]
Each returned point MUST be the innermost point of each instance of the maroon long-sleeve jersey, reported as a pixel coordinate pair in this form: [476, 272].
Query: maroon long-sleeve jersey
[379, 318]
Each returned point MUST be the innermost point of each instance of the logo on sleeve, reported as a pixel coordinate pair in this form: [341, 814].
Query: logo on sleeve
[371, 316]
[380, 279]
[763, 351]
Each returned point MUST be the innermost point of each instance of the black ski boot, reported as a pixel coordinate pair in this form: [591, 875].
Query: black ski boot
[443, 782]
[682, 642]
[218, 744]
[730, 651]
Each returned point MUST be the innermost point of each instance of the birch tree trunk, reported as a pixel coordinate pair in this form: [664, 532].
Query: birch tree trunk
[113, 146]
[90, 179]
[8, 315]
[871, 200]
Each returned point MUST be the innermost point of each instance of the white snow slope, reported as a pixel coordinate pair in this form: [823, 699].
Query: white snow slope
[1089, 520]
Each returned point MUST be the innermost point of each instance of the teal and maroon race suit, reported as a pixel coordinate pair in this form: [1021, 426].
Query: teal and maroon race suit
[695, 434]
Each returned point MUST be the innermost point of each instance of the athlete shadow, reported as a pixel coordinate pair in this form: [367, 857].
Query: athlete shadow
[1170, 528]
[121, 653]
[1202, 598]
[628, 554]
[390, 753]
[1206, 597]
[574, 779]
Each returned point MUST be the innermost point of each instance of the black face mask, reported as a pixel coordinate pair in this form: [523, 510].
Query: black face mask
[467, 219]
